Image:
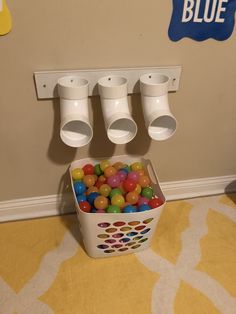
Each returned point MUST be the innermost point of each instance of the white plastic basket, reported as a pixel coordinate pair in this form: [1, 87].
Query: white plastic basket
[118, 234]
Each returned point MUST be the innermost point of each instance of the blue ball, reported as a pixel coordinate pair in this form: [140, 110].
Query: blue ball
[125, 170]
[81, 198]
[79, 187]
[129, 209]
[93, 210]
[144, 207]
[91, 197]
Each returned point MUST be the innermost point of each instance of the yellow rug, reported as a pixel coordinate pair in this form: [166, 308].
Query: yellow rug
[189, 269]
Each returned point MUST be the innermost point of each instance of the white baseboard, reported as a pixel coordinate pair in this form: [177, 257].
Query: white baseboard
[53, 205]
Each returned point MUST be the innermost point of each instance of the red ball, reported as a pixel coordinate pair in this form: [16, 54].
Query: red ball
[129, 185]
[155, 202]
[85, 206]
[88, 169]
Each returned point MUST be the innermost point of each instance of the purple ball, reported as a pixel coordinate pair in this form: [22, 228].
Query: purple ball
[122, 175]
[133, 175]
[143, 200]
[113, 181]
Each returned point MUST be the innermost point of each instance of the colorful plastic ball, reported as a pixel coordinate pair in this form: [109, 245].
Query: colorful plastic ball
[77, 174]
[147, 192]
[141, 172]
[104, 164]
[109, 171]
[113, 209]
[143, 200]
[138, 189]
[89, 180]
[136, 166]
[143, 208]
[118, 165]
[105, 190]
[133, 175]
[125, 170]
[101, 211]
[117, 200]
[91, 189]
[79, 188]
[93, 210]
[91, 197]
[88, 169]
[144, 181]
[98, 170]
[101, 202]
[113, 181]
[81, 198]
[85, 206]
[129, 209]
[122, 175]
[102, 178]
[115, 192]
[132, 198]
[155, 202]
[98, 184]
[129, 185]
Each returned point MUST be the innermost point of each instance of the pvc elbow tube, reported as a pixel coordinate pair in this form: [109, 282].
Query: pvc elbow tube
[159, 120]
[75, 130]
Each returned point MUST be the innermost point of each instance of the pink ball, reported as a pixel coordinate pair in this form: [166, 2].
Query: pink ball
[133, 175]
[100, 211]
[122, 175]
[113, 181]
[143, 200]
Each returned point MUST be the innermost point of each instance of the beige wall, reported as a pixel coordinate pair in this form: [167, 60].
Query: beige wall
[81, 34]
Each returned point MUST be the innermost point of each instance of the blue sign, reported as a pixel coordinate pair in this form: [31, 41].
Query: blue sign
[202, 19]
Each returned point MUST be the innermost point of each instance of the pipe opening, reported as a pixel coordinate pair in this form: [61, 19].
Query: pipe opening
[76, 133]
[122, 131]
[162, 128]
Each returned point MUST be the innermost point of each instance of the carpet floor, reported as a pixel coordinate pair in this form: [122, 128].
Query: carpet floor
[190, 267]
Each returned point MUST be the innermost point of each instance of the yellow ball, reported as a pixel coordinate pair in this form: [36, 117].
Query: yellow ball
[77, 174]
[104, 164]
[118, 200]
[136, 166]
[105, 190]
[138, 189]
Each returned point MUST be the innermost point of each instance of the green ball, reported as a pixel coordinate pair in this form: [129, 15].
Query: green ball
[98, 170]
[113, 209]
[147, 192]
[115, 192]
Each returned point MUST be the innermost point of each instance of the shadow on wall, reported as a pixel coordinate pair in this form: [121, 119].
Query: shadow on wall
[58, 152]
[100, 145]
[141, 143]
[230, 190]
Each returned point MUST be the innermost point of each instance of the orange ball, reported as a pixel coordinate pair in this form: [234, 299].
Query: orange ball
[101, 202]
[102, 178]
[141, 172]
[91, 189]
[132, 197]
[118, 165]
[89, 180]
[109, 171]
[144, 181]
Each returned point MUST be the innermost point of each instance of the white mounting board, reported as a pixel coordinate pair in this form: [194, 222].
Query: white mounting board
[46, 81]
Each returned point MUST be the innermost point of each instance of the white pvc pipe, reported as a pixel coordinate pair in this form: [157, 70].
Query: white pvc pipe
[76, 130]
[159, 120]
[120, 126]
